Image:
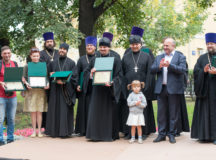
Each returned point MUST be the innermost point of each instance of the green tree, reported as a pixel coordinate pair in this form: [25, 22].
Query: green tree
[205, 3]
[71, 20]
[27, 20]
[160, 19]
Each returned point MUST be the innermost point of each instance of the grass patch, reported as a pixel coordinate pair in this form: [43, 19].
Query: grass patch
[23, 120]
[190, 109]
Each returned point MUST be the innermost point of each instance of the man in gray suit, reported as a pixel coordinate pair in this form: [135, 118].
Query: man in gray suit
[170, 68]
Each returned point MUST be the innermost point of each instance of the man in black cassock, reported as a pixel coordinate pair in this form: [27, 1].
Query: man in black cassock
[59, 122]
[183, 122]
[84, 99]
[204, 117]
[110, 37]
[136, 66]
[47, 55]
[103, 109]
[144, 49]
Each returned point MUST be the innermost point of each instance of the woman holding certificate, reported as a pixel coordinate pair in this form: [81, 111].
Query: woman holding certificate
[35, 79]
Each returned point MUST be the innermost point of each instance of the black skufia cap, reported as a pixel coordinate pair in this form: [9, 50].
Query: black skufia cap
[64, 45]
[104, 42]
[135, 39]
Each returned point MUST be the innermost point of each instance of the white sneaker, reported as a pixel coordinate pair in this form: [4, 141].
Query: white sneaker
[33, 135]
[40, 135]
[140, 141]
[132, 140]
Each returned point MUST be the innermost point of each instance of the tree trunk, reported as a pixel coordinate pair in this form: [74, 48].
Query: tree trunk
[86, 21]
[3, 42]
[88, 15]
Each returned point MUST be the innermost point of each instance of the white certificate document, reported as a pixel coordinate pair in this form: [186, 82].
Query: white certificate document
[13, 86]
[102, 77]
[37, 81]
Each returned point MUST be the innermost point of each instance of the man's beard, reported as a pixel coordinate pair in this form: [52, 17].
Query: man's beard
[211, 51]
[49, 48]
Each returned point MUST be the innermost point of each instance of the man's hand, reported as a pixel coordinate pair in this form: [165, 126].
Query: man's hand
[206, 68]
[92, 71]
[166, 64]
[78, 89]
[212, 70]
[161, 63]
[108, 84]
[51, 73]
[59, 82]
[3, 85]
[138, 103]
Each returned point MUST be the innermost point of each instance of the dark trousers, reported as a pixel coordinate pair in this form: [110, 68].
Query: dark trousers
[168, 108]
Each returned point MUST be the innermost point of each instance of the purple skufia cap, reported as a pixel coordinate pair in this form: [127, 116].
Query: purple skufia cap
[108, 35]
[210, 37]
[137, 31]
[48, 36]
[91, 40]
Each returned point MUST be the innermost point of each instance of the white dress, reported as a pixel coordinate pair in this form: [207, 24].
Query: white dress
[136, 115]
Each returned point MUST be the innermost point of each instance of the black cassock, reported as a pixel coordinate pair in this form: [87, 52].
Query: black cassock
[183, 123]
[83, 99]
[204, 117]
[103, 109]
[144, 49]
[44, 57]
[144, 62]
[59, 122]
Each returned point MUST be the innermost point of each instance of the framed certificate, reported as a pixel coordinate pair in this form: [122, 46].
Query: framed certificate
[104, 70]
[13, 79]
[37, 82]
[65, 76]
[14, 86]
[102, 77]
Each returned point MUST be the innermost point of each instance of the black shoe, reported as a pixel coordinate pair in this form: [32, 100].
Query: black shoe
[214, 142]
[178, 135]
[172, 139]
[81, 135]
[2, 143]
[159, 139]
[144, 137]
[127, 137]
[10, 141]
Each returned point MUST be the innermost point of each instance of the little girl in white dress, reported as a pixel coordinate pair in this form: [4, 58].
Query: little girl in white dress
[136, 102]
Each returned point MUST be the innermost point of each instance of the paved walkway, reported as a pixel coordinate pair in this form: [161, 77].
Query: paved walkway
[78, 148]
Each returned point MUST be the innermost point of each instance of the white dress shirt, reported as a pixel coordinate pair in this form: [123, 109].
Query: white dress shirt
[167, 58]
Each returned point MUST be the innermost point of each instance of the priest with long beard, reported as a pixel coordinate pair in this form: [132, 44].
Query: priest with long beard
[136, 65]
[204, 117]
[62, 98]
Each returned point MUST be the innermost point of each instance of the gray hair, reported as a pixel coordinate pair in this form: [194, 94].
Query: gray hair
[170, 39]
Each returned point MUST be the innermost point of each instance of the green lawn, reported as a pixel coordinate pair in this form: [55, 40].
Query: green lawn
[23, 119]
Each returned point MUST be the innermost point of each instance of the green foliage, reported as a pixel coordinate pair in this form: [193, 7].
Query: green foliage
[205, 3]
[159, 19]
[28, 20]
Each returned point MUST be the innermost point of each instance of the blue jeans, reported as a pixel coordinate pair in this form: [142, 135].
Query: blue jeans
[8, 106]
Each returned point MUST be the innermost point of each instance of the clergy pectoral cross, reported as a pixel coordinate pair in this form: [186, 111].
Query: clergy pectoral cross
[136, 68]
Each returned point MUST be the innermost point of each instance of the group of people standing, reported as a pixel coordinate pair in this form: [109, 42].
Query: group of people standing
[125, 103]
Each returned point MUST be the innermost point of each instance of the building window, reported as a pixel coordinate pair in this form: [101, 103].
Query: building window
[200, 51]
